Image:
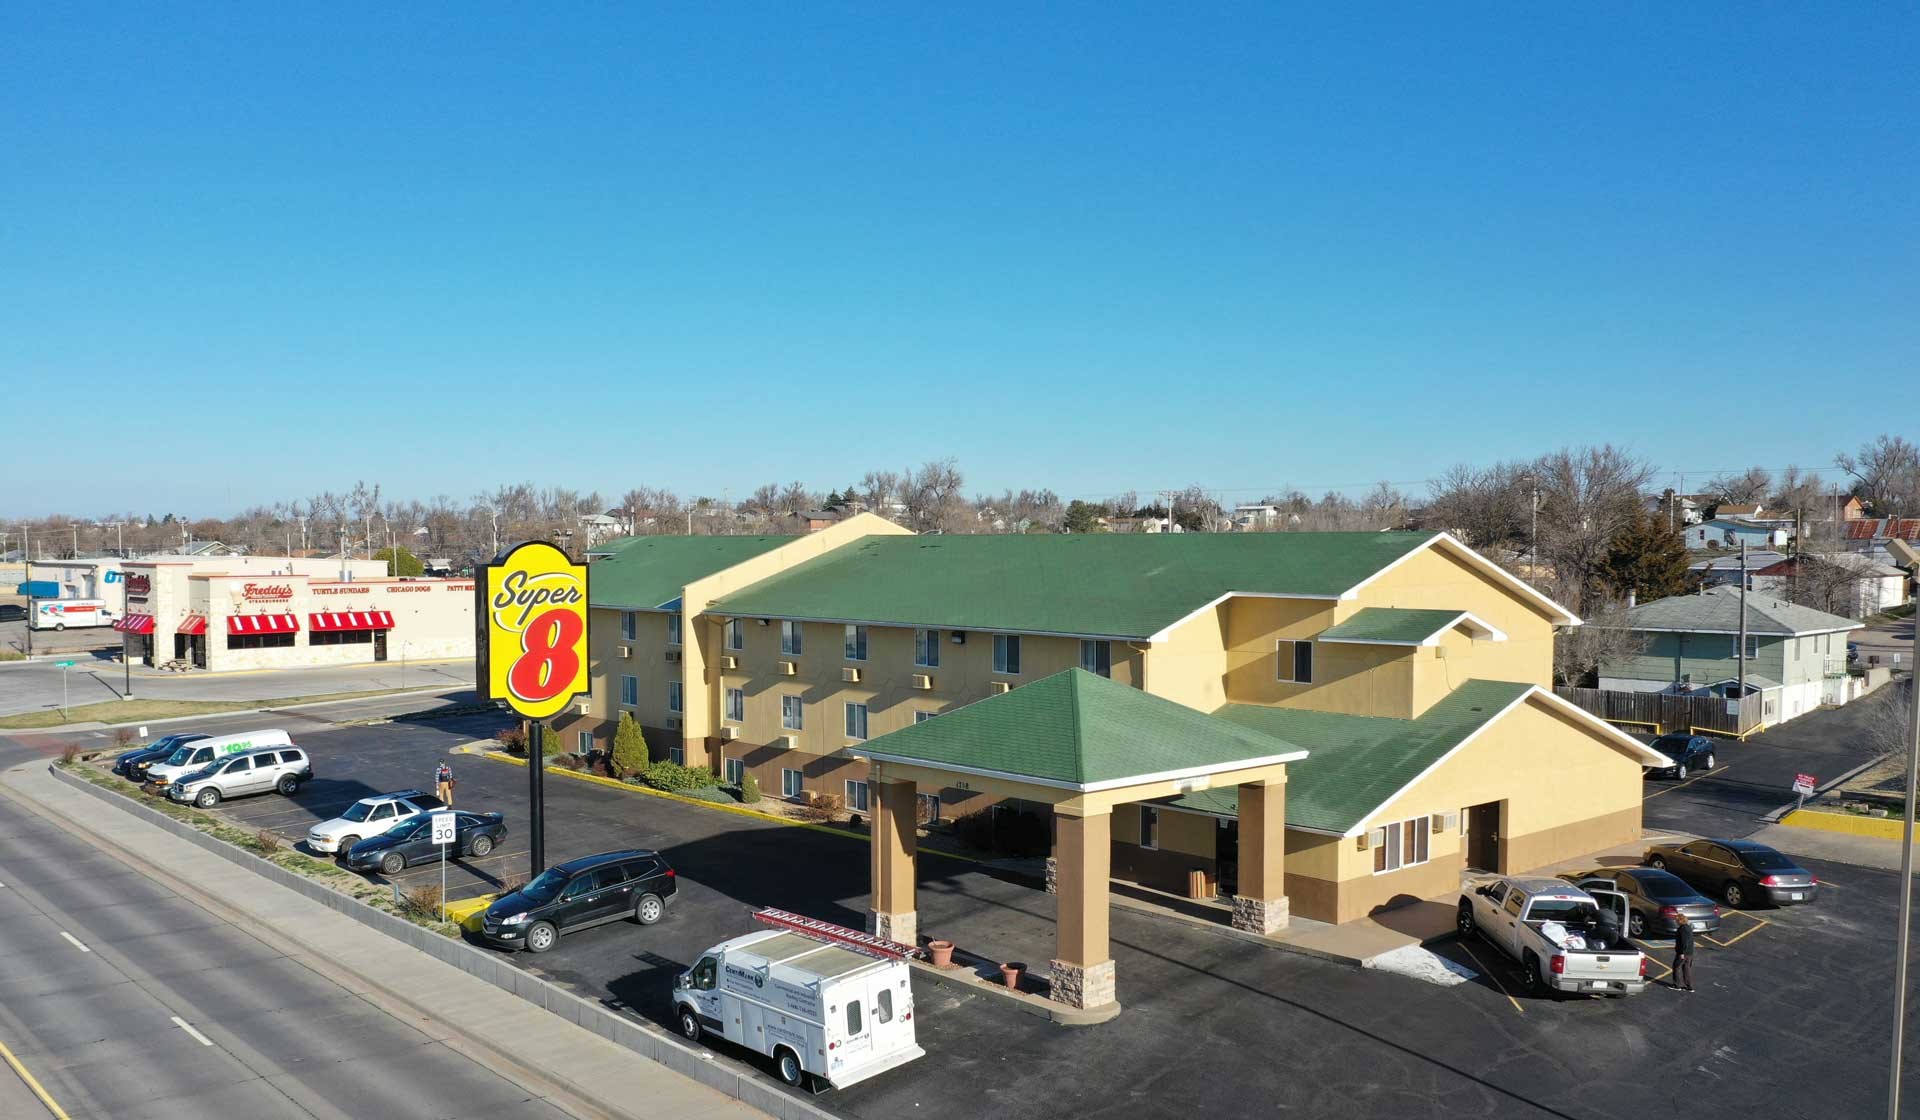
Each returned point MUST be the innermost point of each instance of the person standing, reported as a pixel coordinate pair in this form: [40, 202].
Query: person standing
[443, 784]
[1683, 956]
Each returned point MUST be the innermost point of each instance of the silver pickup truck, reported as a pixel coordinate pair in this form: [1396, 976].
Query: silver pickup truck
[1551, 929]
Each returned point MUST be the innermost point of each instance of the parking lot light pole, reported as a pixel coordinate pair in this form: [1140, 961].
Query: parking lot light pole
[1906, 884]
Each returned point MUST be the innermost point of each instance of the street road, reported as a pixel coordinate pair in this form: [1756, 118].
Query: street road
[127, 1000]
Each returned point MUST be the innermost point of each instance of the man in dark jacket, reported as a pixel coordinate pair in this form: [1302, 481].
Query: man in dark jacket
[1683, 957]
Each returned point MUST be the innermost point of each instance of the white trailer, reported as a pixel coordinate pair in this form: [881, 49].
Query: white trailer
[820, 1000]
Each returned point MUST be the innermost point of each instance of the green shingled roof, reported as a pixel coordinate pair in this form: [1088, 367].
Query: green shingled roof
[1126, 585]
[648, 573]
[1075, 729]
[1391, 625]
[1355, 764]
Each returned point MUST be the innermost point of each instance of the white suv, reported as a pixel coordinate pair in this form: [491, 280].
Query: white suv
[369, 816]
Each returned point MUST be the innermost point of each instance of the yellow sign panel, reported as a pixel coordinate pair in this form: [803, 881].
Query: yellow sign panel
[532, 640]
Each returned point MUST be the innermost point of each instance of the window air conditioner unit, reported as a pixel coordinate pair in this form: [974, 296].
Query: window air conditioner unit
[1444, 822]
[673, 656]
[673, 723]
[586, 707]
[922, 681]
[788, 668]
[729, 661]
[959, 637]
[787, 742]
[761, 621]
[625, 651]
[729, 733]
[1374, 839]
[997, 687]
[850, 674]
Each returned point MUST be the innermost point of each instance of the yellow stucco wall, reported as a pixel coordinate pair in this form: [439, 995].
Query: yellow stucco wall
[1189, 667]
[1437, 578]
[1357, 679]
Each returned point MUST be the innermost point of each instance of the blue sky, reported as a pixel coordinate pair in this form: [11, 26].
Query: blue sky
[253, 252]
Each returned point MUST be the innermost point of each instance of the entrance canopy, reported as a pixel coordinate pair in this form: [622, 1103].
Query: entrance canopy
[1078, 739]
[192, 624]
[135, 624]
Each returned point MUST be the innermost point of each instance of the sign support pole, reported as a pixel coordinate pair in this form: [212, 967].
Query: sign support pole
[536, 797]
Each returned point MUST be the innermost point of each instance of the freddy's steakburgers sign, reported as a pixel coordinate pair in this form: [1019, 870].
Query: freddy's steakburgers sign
[531, 610]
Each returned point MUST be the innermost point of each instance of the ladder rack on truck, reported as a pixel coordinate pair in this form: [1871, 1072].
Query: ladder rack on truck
[870, 944]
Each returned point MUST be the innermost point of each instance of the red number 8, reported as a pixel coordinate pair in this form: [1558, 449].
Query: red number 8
[551, 663]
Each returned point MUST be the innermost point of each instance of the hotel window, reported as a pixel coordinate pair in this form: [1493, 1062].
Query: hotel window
[736, 634]
[1006, 653]
[791, 711]
[1400, 844]
[673, 629]
[627, 626]
[1097, 657]
[630, 691]
[922, 717]
[789, 783]
[673, 696]
[856, 643]
[856, 796]
[856, 721]
[1296, 661]
[1149, 828]
[790, 639]
[736, 704]
[926, 648]
[584, 742]
[736, 771]
[677, 755]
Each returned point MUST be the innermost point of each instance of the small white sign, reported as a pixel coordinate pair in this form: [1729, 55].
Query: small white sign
[443, 828]
[1803, 784]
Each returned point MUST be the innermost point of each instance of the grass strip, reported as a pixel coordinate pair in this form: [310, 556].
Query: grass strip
[146, 711]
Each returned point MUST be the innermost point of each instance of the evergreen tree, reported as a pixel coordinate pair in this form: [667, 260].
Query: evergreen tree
[629, 748]
[1647, 558]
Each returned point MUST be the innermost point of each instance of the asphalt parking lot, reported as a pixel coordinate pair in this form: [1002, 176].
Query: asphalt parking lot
[1790, 1019]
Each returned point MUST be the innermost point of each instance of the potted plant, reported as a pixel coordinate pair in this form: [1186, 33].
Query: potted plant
[941, 952]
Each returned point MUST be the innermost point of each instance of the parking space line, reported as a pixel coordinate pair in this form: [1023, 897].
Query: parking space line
[75, 942]
[1488, 973]
[1688, 782]
[1758, 924]
[188, 1027]
[1646, 951]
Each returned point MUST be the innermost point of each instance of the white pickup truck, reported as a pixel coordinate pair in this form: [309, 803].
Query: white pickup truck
[1550, 928]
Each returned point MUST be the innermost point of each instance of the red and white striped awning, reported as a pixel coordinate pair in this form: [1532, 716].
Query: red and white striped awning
[322, 622]
[192, 624]
[262, 624]
[135, 624]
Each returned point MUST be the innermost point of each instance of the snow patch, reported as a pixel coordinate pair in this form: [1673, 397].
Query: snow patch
[1421, 964]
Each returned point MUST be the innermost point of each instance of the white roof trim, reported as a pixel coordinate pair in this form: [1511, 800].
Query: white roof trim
[1751, 631]
[1083, 787]
[1488, 632]
[1501, 575]
[1620, 737]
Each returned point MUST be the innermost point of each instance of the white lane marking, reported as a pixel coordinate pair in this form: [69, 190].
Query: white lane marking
[188, 1027]
[75, 941]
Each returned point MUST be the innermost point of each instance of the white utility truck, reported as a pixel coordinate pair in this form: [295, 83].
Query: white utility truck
[1552, 929]
[820, 1000]
[62, 614]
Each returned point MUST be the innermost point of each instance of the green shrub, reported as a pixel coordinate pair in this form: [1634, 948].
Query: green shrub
[749, 789]
[629, 748]
[549, 742]
[675, 778]
[513, 740]
[717, 794]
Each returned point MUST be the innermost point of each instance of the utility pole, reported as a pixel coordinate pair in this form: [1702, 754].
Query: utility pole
[1906, 882]
[1742, 651]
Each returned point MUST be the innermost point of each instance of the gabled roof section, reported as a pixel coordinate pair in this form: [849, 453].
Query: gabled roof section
[1077, 731]
[649, 573]
[1396, 626]
[1128, 586]
[1717, 611]
[1357, 764]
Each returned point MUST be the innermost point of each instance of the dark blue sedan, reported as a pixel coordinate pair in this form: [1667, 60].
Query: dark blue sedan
[411, 841]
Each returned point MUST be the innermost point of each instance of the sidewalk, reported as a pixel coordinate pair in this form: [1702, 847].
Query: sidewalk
[579, 1063]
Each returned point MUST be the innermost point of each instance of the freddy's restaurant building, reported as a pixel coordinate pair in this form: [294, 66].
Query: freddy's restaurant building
[263, 612]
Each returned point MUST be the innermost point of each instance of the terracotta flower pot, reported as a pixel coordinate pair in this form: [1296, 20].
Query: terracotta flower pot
[942, 953]
[1011, 973]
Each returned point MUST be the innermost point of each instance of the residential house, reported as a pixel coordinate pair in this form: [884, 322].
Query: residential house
[1689, 644]
[1417, 672]
[1717, 571]
[1732, 532]
[1857, 583]
[1871, 534]
[1256, 518]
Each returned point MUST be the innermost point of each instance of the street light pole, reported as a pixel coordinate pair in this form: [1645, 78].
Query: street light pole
[1906, 884]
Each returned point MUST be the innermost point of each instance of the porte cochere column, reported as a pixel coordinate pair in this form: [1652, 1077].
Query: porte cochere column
[895, 844]
[1261, 905]
[1082, 972]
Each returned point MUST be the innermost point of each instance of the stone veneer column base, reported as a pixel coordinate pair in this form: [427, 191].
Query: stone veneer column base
[1053, 875]
[903, 927]
[1264, 916]
[1081, 985]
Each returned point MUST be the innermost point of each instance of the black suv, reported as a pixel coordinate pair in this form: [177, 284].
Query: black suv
[1688, 752]
[580, 893]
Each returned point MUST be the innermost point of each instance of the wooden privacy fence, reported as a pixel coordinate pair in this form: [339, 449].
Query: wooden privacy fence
[1660, 712]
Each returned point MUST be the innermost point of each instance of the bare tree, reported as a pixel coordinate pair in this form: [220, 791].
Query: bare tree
[1886, 718]
[1886, 475]
[877, 487]
[931, 494]
[1750, 487]
[1579, 651]
[1587, 494]
[1488, 507]
[795, 497]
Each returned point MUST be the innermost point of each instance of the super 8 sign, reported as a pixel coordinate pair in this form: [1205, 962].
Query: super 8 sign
[531, 612]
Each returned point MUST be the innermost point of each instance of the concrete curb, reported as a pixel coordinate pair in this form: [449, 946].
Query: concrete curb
[966, 980]
[1774, 816]
[643, 1040]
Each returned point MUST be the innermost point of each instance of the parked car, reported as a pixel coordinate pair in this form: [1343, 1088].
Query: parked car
[1688, 752]
[279, 771]
[1541, 924]
[126, 764]
[572, 896]
[1657, 901]
[411, 841]
[1737, 872]
[190, 757]
[369, 816]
